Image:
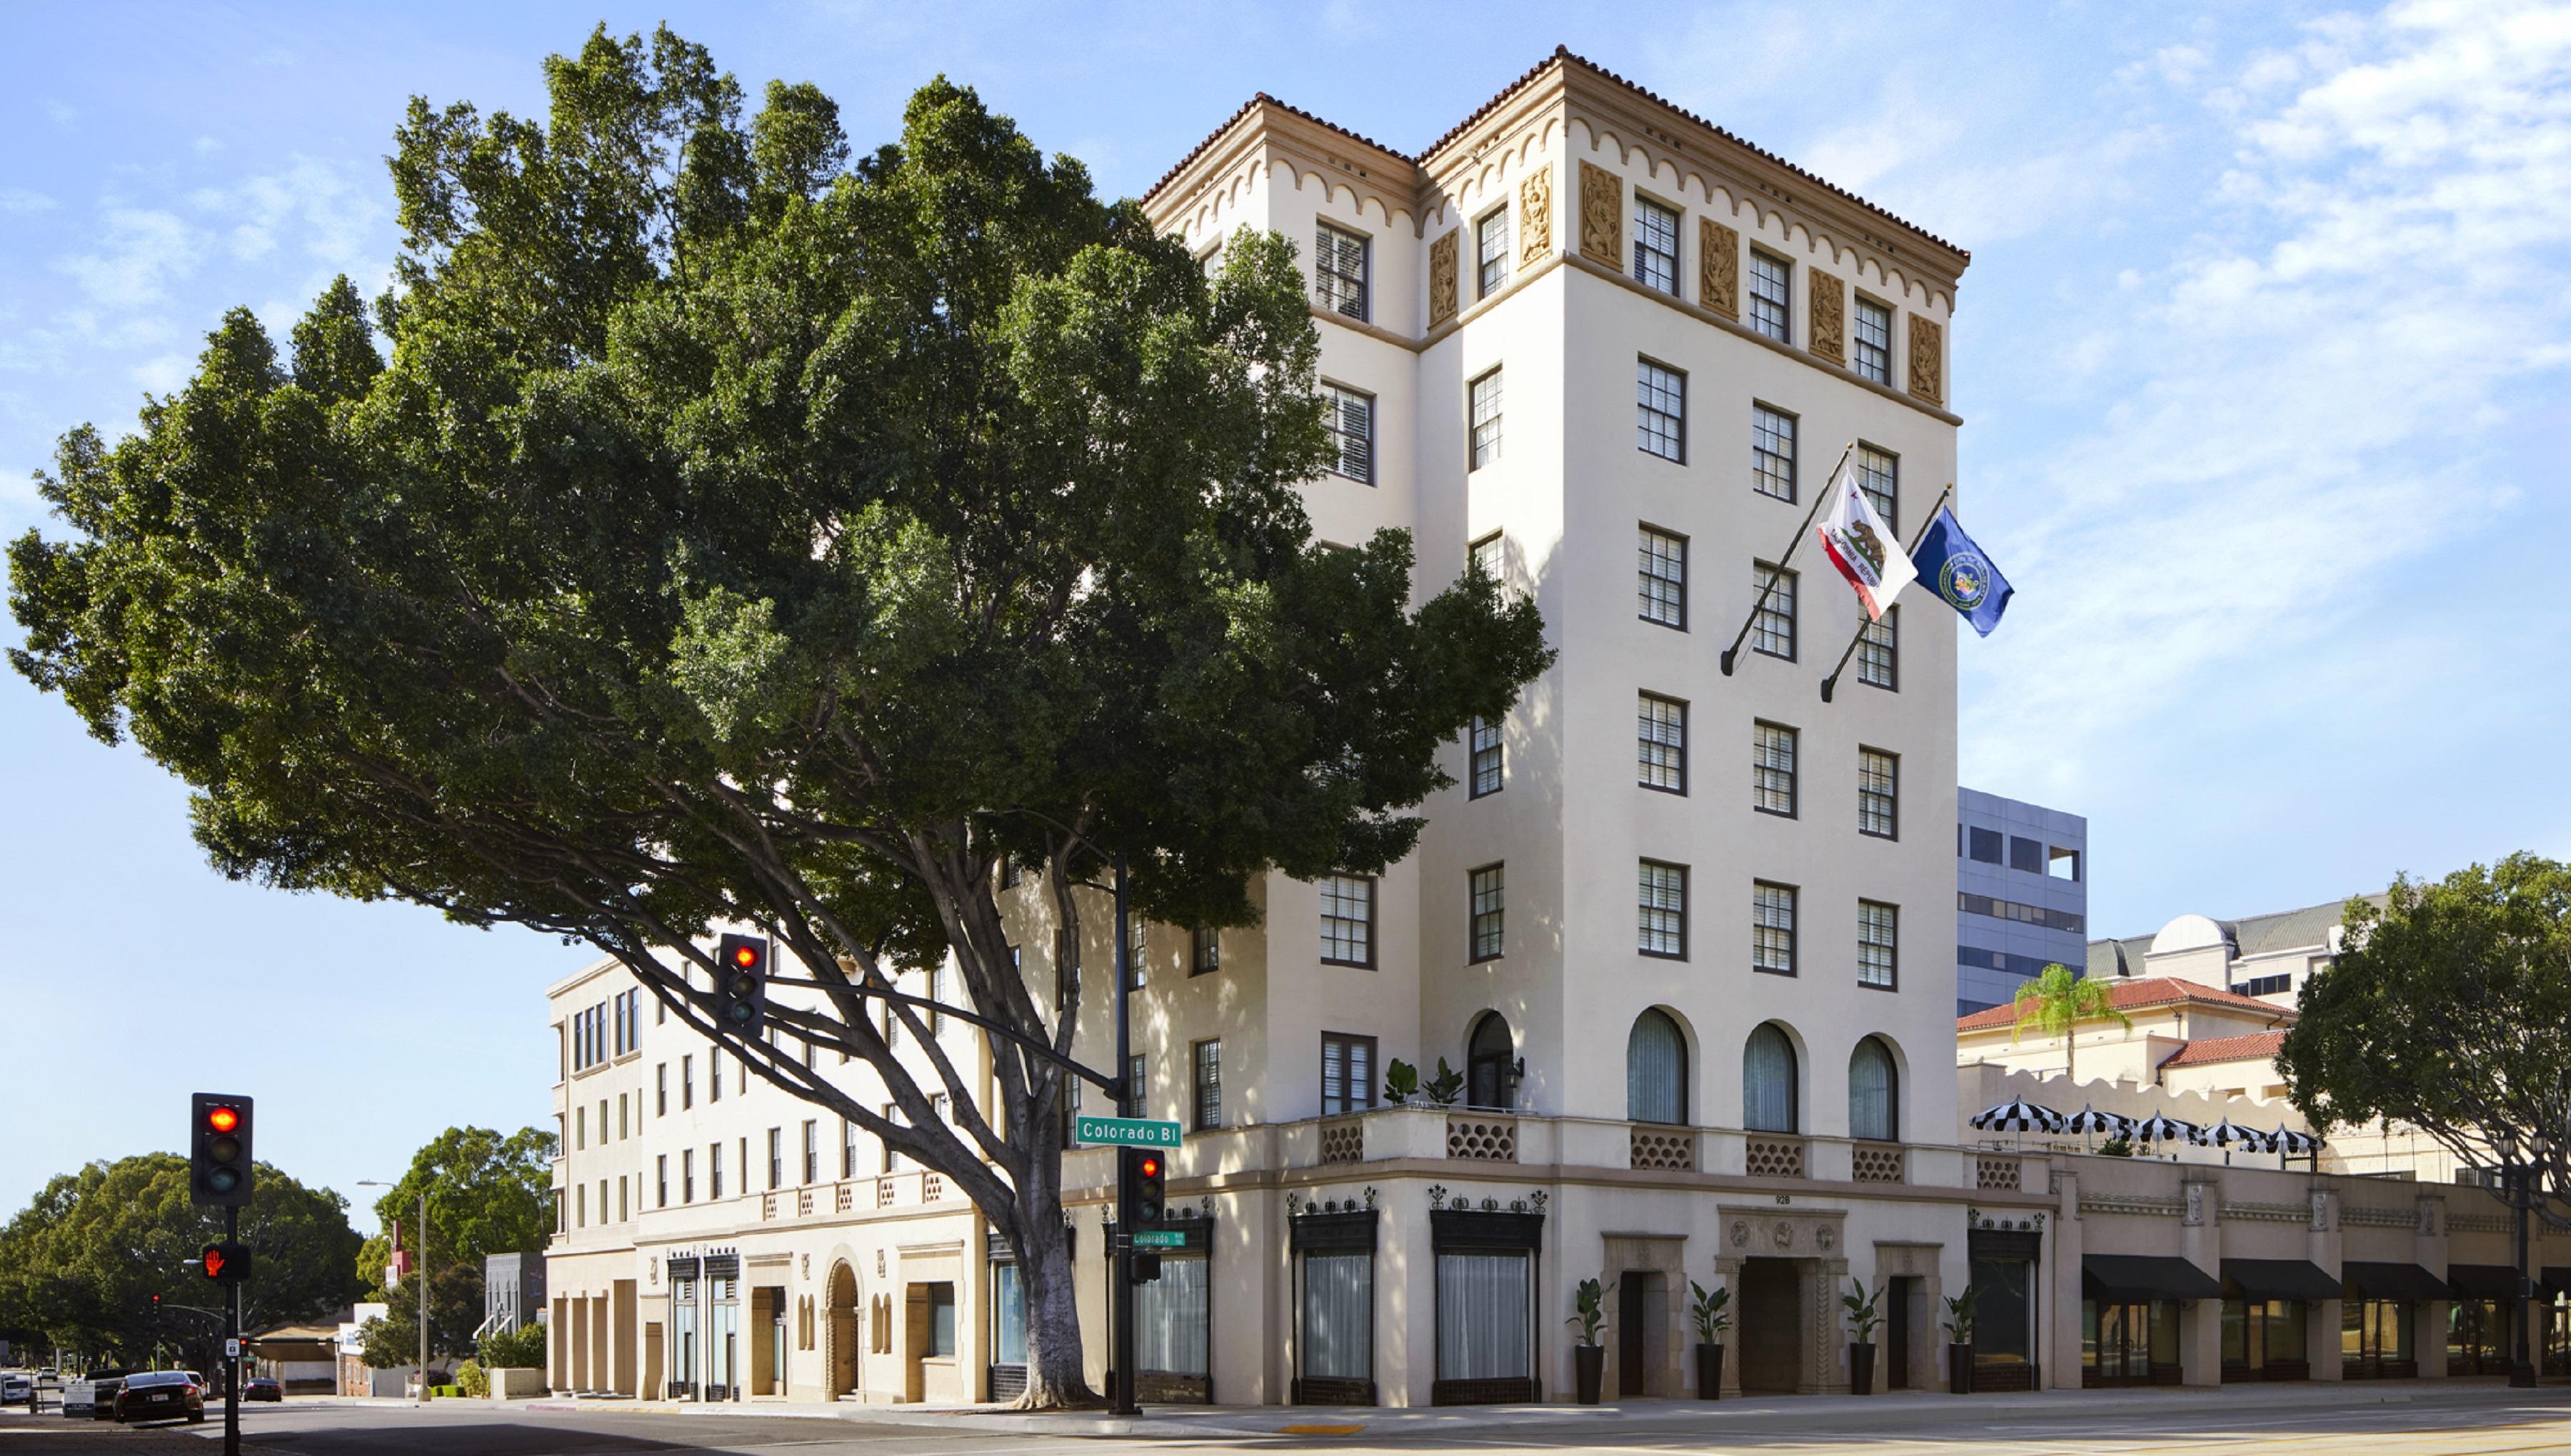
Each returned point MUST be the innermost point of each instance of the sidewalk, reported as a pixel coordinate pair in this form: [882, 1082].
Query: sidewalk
[1710, 1418]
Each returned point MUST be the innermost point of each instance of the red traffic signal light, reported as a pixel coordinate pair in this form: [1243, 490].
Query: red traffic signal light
[218, 1148]
[741, 983]
[1149, 1183]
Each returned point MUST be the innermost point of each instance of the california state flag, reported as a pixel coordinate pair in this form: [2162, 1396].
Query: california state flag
[1862, 545]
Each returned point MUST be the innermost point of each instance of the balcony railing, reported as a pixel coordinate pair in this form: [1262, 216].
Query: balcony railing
[1482, 1137]
[1770, 1155]
[1662, 1147]
[1877, 1163]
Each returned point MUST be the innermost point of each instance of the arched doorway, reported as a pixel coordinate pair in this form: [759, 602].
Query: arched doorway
[844, 1349]
[1491, 1064]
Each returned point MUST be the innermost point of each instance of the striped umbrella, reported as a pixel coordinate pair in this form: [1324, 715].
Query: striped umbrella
[2227, 1135]
[2298, 1144]
[2161, 1128]
[2017, 1115]
[2090, 1120]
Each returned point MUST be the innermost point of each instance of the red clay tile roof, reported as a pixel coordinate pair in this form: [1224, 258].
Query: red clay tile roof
[2228, 1049]
[2138, 993]
[1561, 55]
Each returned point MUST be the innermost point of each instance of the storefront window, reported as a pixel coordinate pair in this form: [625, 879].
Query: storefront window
[2003, 1325]
[1008, 1316]
[2263, 1337]
[683, 1339]
[1338, 1317]
[2122, 1344]
[1483, 1319]
[1171, 1316]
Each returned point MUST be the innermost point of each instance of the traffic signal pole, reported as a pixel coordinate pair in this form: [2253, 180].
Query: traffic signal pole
[231, 1344]
[1120, 1296]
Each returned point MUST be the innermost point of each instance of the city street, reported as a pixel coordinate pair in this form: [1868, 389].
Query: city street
[2482, 1421]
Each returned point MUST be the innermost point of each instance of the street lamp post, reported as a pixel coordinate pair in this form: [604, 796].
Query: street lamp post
[423, 1281]
[2521, 1201]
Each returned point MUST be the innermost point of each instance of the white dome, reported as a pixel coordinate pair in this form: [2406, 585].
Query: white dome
[2189, 932]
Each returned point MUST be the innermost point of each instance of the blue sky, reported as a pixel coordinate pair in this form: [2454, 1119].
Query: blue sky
[2262, 356]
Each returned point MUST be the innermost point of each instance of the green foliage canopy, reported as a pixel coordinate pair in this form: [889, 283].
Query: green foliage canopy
[487, 1193]
[80, 1265]
[2448, 1010]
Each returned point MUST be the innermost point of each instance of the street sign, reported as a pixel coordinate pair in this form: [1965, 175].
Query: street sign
[1125, 1132]
[232, 1349]
[1160, 1238]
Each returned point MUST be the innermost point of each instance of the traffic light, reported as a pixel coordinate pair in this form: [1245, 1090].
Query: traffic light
[225, 1262]
[219, 1153]
[1147, 1268]
[156, 1307]
[741, 983]
[1151, 1191]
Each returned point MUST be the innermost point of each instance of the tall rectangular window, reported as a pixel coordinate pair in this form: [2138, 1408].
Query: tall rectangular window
[687, 1082]
[688, 1175]
[1347, 920]
[1659, 743]
[1205, 951]
[1878, 474]
[1771, 291]
[1874, 340]
[1490, 553]
[1208, 1059]
[1138, 1072]
[1771, 452]
[1660, 410]
[892, 1156]
[1491, 253]
[1877, 934]
[1339, 270]
[661, 1089]
[1138, 949]
[713, 1169]
[1772, 630]
[713, 1076]
[1771, 929]
[848, 1148]
[1879, 652]
[1487, 889]
[811, 1150]
[1772, 768]
[1486, 419]
[776, 1160]
[1878, 794]
[661, 1181]
[1347, 1073]
[1660, 584]
[1486, 771]
[1656, 245]
[1350, 418]
[1661, 911]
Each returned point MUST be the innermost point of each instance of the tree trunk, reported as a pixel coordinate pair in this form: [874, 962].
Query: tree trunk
[1057, 1373]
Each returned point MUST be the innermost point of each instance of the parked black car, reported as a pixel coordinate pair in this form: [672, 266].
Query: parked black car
[261, 1387]
[160, 1395]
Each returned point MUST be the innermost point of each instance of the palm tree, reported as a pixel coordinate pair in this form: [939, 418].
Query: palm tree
[2057, 1000]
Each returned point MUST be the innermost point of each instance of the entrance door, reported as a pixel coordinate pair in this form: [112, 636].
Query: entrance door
[1770, 1326]
[1630, 1294]
[1896, 1332]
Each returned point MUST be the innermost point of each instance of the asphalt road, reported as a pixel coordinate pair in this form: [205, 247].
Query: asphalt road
[2478, 1425]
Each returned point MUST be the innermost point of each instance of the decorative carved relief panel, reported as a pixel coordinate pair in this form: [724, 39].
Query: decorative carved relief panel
[1718, 267]
[1928, 360]
[1602, 216]
[1441, 278]
[1830, 319]
[1535, 216]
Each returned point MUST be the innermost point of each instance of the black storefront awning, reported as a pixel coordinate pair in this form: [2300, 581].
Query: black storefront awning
[2281, 1278]
[2391, 1281]
[2483, 1280]
[2554, 1281]
[2131, 1279]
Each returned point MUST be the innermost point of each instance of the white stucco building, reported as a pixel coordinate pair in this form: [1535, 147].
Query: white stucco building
[1688, 933]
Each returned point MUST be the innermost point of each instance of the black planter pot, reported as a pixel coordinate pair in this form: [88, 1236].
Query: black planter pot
[1959, 1369]
[1589, 1363]
[1708, 1372]
[1861, 1368]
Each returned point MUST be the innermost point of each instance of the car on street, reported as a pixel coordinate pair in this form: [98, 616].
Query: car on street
[17, 1387]
[261, 1387]
[93, 1397]
[162, 1395]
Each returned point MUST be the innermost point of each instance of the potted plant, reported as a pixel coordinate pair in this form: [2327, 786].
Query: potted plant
[1959, 1342]
[1713, 1315]
[1862, 1318]
[1588, 1356]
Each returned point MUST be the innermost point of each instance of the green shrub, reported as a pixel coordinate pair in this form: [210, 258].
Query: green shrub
[470, 1379]
[522, 1349]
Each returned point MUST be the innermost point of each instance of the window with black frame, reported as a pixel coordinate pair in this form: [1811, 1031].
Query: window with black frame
[1334, 1251]
[2003, 1263]
[1485, 1293]
[1173, 1322]
[1006, 1376]
[2262, 1339]
[2374, 1339]
[2129, 1343]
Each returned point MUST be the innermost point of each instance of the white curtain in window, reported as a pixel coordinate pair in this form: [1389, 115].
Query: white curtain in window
[1170, 1316]
[1767, 1082]
[1008, 1316]
[1655, 1070]
[1482, 1316]
[1870, 1092]
[1338, 1306]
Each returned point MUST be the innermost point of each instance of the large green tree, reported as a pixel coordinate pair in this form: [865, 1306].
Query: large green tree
[487, 1193]
[742, 533]
[2448, 1010]
[80, 1265]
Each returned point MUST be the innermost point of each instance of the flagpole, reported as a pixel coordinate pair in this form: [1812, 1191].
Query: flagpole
[1832, 681]
[1801, 532]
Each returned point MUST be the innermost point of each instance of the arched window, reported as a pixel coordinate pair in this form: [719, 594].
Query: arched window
[1767, 1082]
[1871, 1085]
[1490, 1064]
[1656, 1070]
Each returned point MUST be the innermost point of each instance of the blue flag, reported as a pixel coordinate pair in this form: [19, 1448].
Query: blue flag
[1950, 565]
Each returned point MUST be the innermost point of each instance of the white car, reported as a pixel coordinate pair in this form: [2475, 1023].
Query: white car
[17, 1387]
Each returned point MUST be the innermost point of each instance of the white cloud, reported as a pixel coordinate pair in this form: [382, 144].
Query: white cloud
[20, 199]
[312, 202]
[140, 251]
[165, 374]
[2308, 395]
